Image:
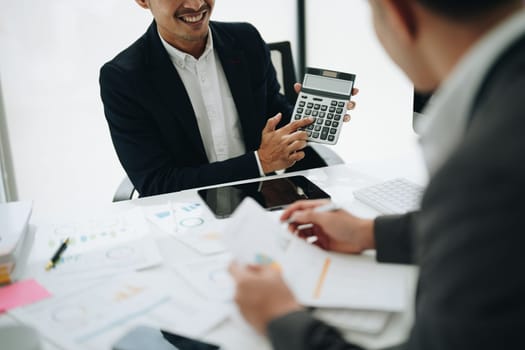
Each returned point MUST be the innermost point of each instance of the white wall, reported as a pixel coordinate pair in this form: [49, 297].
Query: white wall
[50, 54]
[341, 37]
[51, 51]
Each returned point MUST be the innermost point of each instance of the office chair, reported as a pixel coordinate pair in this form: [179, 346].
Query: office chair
[281, 55]
[125, 191]
[420, 101]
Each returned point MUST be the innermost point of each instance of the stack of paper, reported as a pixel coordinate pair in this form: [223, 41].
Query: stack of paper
[317, 277]
[14, 219]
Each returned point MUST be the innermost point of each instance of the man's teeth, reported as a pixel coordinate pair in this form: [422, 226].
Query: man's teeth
[192, 19]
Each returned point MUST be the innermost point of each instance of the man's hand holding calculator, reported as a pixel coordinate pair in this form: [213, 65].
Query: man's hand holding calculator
[281, 148]
[350, 105]
[324, 96]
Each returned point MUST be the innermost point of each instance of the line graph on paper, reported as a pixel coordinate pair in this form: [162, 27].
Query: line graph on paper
[92, 234]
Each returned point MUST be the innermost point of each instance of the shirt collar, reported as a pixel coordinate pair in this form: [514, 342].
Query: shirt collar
[448, 110]
[181, 58]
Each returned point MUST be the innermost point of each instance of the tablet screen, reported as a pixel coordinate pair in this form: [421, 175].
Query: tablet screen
[271, 194]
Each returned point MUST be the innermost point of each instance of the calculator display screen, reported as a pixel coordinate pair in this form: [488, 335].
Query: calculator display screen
[338, 86]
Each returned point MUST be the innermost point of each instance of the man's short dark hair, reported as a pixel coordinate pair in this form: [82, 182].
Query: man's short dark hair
[464, 9]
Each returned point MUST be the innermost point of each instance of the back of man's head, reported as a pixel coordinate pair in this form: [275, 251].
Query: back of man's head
[465, 9]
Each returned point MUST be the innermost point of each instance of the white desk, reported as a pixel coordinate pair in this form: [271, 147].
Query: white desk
[339, 181]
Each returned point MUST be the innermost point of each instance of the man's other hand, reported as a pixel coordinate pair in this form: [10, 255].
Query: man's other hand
[281, 148]
[261, 294]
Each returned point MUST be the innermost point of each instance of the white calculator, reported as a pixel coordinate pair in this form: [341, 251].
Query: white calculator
[324, 97]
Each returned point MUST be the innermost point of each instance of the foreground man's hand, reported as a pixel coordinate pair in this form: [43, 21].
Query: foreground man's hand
[337, 231]
[261, 294]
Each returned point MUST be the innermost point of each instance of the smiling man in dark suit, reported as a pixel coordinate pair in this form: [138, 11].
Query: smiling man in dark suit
[468, 237]
[195, 102]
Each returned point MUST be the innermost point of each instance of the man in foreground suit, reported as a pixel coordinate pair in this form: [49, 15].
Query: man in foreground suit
[468, 236]
[195, 103]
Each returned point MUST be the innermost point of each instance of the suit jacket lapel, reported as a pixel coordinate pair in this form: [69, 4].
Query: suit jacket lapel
[236, 69]
[169, 86]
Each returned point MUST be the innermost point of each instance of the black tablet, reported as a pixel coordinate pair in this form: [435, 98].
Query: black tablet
[271, 194]
[144, 337]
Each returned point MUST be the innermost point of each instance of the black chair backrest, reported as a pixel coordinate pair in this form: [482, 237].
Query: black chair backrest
[285, 66]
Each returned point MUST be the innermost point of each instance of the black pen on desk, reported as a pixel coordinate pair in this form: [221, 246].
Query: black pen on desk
[52, 262]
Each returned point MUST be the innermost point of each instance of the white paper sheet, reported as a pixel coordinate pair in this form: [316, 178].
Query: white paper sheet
[95, 317]
[102, 262]
[364, 321]
[209, 277]
[190, 223]
[255, 236]
[317, 277]
[90, 234]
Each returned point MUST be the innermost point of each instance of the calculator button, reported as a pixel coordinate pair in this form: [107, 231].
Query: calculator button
[304, 96]
[297, 116]
[324, 107]
[318, 128]
[332, 110]
[334, 103]
[300, 110]
[310, 105]
[324, 133]
[335, 124]
[339, 110]
[315, 135]
[302, 103]
[309, 133]
[337, 117]
[322, 114]
[333, 131]
[330, 116]
[310, 127]
[331, 138]
[341, 104]
[318, 99]
[328, 123]
[315, 113]
[308, 112]
[317, 106]
[319, 121]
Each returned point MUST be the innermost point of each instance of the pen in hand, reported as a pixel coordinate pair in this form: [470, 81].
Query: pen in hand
[331, 206]
[52, 262]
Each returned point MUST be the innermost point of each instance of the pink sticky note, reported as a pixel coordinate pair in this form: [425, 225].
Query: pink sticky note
[20, 294]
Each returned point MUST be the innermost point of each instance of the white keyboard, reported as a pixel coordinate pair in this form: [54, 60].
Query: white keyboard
[395, 196]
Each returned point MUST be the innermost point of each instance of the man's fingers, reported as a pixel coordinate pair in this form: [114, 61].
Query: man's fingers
[296, 145]
[301, 205]
[271, 124]
[355, 91]
[347, 118]
[351, 105]
[297, 87]
[240, 271]
[297, 124]
[296, 156]
[235, 270]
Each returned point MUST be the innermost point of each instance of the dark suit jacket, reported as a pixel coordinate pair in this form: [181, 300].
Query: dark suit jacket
[468, 238]
[152, 122]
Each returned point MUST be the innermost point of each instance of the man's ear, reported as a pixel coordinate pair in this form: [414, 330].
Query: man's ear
[143, 3]
[402, 17]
